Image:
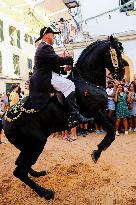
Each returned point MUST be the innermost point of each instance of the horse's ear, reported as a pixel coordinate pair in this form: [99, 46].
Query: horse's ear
[120, 46]
[111, 38]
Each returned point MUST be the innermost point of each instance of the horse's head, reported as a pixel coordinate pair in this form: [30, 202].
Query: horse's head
[98, 56]
[113, 58]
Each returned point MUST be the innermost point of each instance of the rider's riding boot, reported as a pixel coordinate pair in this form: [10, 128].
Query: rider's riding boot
[75, 117]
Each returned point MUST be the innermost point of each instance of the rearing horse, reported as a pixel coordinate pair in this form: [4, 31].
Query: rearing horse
[28, 130]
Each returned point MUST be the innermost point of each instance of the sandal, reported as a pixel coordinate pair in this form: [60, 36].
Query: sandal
[73, 138]
[68, 139]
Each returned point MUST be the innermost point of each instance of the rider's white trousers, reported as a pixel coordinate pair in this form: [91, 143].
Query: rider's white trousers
[62, 84]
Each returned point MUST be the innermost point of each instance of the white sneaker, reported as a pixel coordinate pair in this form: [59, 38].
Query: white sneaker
[130, 129]
[117, 133]
[135, 130]
[126, 132]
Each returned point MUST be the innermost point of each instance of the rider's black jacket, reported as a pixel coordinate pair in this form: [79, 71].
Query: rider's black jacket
[45, 61]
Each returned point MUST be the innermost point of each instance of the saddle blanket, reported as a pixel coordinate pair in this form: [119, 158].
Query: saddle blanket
[23, 106]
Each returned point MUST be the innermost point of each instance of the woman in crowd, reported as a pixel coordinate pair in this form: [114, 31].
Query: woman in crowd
[132, 107]
[122, 111]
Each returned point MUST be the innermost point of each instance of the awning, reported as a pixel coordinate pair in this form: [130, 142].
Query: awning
[35, 13]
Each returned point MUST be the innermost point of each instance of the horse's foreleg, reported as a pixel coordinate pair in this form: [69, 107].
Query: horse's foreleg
[108, 139]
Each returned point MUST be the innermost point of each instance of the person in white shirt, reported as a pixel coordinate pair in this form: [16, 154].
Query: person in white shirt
[111, 104]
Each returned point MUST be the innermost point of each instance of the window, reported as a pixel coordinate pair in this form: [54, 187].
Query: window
[15, 36]
[1, 31]
[126, 8]
[9, 87]
[18, 39]
[0, 62]
[29, 63]
[16, 64]
[28, 39]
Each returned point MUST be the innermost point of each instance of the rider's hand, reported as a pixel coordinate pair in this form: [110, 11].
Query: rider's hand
[67, 68]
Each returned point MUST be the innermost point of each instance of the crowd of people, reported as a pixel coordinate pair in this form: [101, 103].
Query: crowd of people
[121, 110]
[8, 99]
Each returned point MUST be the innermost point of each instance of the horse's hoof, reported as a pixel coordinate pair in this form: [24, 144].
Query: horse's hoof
[95, 155]
[34, 173]
[46, 193]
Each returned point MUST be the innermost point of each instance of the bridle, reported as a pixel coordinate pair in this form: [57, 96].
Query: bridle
[115, 64]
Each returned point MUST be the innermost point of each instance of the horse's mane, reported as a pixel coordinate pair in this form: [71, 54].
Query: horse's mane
[87, 50]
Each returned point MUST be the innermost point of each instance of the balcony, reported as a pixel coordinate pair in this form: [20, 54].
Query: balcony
[71, 3]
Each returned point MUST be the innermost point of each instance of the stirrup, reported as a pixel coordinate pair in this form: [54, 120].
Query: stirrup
[72, 122]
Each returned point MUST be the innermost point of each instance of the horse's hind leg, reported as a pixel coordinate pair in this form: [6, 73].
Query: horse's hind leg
[108, 139]
[26, 159]
[32, 172]
[22, 174]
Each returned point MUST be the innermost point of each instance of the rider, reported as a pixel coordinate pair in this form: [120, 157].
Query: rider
[47, 72]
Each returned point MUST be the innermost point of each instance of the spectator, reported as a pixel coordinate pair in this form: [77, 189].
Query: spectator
[19, 92]
[14, 97]
[134, 81]
[1, 132]
[132, 107]
[122, 111]
[64, 28]
[69, 135]
[64, 135]
[5, 102]
[82, 130]
[111, 104]
[99, 130]
[73, 134]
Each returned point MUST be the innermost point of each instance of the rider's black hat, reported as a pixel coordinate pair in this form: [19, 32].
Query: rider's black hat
[46, 30]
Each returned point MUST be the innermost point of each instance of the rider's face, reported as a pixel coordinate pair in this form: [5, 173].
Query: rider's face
[50, 38]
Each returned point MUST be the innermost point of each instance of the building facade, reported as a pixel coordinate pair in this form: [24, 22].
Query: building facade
[16, 53]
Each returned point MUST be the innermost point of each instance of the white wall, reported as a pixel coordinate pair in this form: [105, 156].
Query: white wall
[90, 8]
[130, 51]
[119, 21]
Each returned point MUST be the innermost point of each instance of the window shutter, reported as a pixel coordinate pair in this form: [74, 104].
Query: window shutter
[1, 31]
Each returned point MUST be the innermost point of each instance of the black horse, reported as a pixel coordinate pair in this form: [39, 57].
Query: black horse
[28, 130]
